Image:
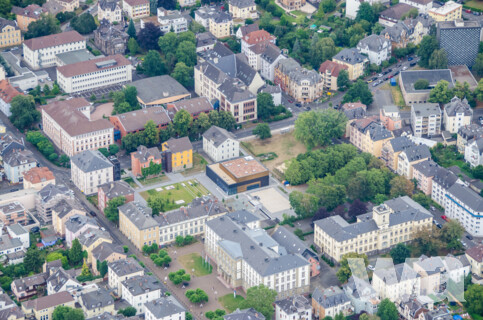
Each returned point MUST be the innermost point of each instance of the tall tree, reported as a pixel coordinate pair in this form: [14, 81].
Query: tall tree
[153, 65]
[262, 131]
[399, 253]
[183, 74]
[44, 26]
[387, 310]
[182, 121]
[474, 297]
[426, 48]
[23, 112]
[168, 43]
[167, 4]
[200, 125]
[148, 37]
[359, 91]
[451, 234]
[131, 96]
[438, 60]
[265, 105]
[84, 24]
[328, 5]
[132, 46]
[32, 260]
[357, 208]
[131, 30]
[343, 81]
[366, 12]
[324, 49]
[112, 209]
[151, 134]
[440, 93]
[67, 313]
[401, 186]
[260, 298]
[5, 7]
[478, 66]
[186, 52]
[75, 252]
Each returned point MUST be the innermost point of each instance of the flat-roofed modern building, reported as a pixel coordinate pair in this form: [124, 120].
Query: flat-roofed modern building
[94, 74]
[238, 175]
[460, 39]
[409, 77]
[160, 90]
[449, 12]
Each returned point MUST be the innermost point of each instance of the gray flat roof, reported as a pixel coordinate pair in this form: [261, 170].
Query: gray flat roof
[408, 78]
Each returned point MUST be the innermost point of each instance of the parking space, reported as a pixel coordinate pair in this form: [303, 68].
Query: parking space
[99, 92]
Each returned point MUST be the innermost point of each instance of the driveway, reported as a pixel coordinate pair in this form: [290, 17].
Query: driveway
[381, 98]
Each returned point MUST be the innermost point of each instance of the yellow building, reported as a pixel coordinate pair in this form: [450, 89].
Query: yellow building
[369, 136]
[137, 224]
[91, 239]
[390, 223]
[221, 25]
[449, 12]
[178, 154]
[9, 33]
[354, 61]
[97, 302]
[42, 308]
[62, 211]
[136, 9]
[475, 257]
[69, 5]
[243, 9]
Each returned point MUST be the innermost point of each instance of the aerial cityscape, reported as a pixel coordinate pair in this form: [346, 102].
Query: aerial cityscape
[241, 159]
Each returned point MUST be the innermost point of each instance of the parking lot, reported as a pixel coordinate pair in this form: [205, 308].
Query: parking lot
[99, 92]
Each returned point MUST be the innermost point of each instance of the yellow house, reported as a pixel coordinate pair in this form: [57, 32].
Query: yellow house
[449, 12]
[354, 61]
[90, 239]
[62, 211]
[475, 257]
[221, 25]
[369, 136]
[9, 33]
[42, 308]
[138, 225]
[178, 154]
[243, 9]
[97, 302]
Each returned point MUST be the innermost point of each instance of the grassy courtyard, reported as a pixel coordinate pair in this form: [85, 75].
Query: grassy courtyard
[199, 165]
[183, 193]
[230, 303]
[474, 4]
[193, 261]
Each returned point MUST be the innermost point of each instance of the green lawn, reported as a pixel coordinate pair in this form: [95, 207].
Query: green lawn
[147, 182]
[194, 261]
[199, 165]
[230, 303]
[178, 192]
[474, 4]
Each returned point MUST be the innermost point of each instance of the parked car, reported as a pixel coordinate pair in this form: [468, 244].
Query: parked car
[412, 64]
[298, 104]
[35, 229]
[369, 81]
[371, 267]
[93, 214]
[374, 79]
[405, 68]
[439, 226]
[307, 108]
[410, 58]
[396, 73]
[379, 75]
[445, 218]
[375, 83]
[290, 101]
[469, 236]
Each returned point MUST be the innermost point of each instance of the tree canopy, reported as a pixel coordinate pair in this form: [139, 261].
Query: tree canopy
[262, 131]
[318, 128]
[23, 112]
[44, 26]
[84, 24]
[148, 37]
[359, 91]
[260, 298]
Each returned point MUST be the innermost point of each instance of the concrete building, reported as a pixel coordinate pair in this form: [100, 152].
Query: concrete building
[409, 77]
[457, 113]
[330, 302]
[218, 22]
[26, 15]
[475, 257]
[369, 136]
[121, 270]
[411, 156]
[37, 178]
[423, 173]
[329, 71]
[426, 119]
[450, 11]
[474, 152]
[48, 197]
[134, 121]
[396, 281]
[139, 290]
[96, 73]
[178, 154]
[172, 20]
[164, 308]
[11, 246]
[143, 158]
[466, 206]
[43, 307]
[13, 213]
[269, 58]
[238, 175]
[16, 231]
[158, 91]
[388, 224]
[246, 257]
[97, 302]
[110, 39]
[354, 61]
[7, 93]
[255, 38]
[136, 9]
[195, 107]
[460, 40]
[220, 144]
[377, 48]
[109, 10]
[297, 307]
[9, 33]
[292, 5]
[41, 52]
[90, 169]
[91, 239]
[67, 123]
[243, 9]
[138, 225]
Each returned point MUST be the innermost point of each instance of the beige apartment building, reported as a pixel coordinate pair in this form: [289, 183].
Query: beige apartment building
[391, 149]
[94, 74]
[67, 123]
[292, 4]
[369, 136]
[456, 114]
[410, 157]
[450, 11]
[68, 5]
[138, 225]
[221, 25]
[109, 10]
[12, 213]
[353, 60]
[475, 258]
[10, 34]
[136, 9]
[390, 223]
[90, 169]
[42, 308]
[41, 52]
[329, 71]
[62, 212]
[243, 9]
[406, 283]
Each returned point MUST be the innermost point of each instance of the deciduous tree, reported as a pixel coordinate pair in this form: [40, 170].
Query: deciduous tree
[359, 91]
[23, 112]
[44, 26]
[183, 74]
[401, 186]
[182, 121]
[112, 209]
[262, 131]
[399, 253]
[387, 310]
[153, 65]
[343, 81]
[148, 37]
[75, 252]
[315, 128]
[260, 298]
[345, 272]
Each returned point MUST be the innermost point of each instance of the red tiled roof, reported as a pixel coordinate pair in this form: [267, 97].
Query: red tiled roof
[258, 36]
[333, 67]
[90, 66]
[53, 40]
[7, 91]
[37, 175]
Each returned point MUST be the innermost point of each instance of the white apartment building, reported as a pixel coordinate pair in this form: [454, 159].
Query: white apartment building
[89, 169]
[377, 48]
[248, 257]
[268, 60]
[17, 231]
[94, 74]
[474, 152]
[457, 113]
[426, 119]
[136, 9]
[139, 290]
[422, 5]
[466, 206]
[396, 281]
[109, 10]
[293, 308]
[442, 181]
[172, 20]
[164, 308]
[120, 270]
[388, 224]
[67, 123]
[220, 144]
[41, 52]
[190, 220]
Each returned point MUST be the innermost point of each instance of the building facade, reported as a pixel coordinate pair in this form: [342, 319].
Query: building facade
[220, 144]
[178, 154]
[138, 225]
[89, 169]
[457, 113]
[109, 10]
[354, 61]
[460, 40]
[136, 9]
[426, 119]
[9, 33]
[450, 11]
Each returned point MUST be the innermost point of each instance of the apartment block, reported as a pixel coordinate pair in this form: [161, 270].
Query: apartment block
[136, 9]
[9, 33]
[354, 61]
[369, 136]
[450, 11]
[426, 119]
[460, 40]
[457, 113]
[90, 169]
[138, 225]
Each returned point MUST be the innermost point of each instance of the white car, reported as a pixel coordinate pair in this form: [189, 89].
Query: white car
[404, 68]
[370, 267]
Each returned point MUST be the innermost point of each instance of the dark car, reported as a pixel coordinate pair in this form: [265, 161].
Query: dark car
[389, 70]
[439, 226]
[308, 108]
[13, 190]
[374, 79]
[386, 78]
[396, 73]
[35, 229]
[470, 237]
[93, 214]
[412, 64]
[410, 58]
[298, 104]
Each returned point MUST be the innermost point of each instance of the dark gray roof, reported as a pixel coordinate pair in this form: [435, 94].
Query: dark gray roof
[355, 113]
[212, 73]
[470, 131]
[350, 56]
[100, 298]
[270, 89]
[444, 177]
[409, 77]
[91, 235]
[235, 92]
[32, 281]
[219, 51]
[164, 307]
[242, 216]
[426, 109]
[160, 87]
[91, 160]
[124, 267]
[13, 312]
[374, 43]
[405, 203]
[394, 275]
[456, 105]
[17, 229]
[76, 222]
[52, 191]
[143, 284]
[294, 305]
[5, 22]
[245, 314]
[271, 53]
[138, 214]
[179, 145]
[330, 297]
[291, 242]
[116, 189]
[470, 198]
[376, 130]
[428, 168]
[19, 158]
[8, 243]
[105, 249]
[143, 154]
[107, 316]
[108, 4]
[218, 135]
[416, 153]
[248, 244]
[65, 206]
[59, 278]
[340, 230]
[205, 39]
[236, 66]
[221, 17]
[401, 143]
[248, 28]
[242, 3]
